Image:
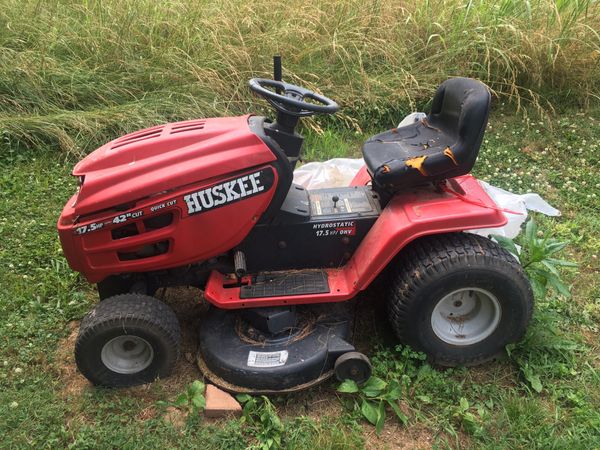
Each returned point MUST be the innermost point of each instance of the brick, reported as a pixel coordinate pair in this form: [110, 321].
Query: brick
[220, 404]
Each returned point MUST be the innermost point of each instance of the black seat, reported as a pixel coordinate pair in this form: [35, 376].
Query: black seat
[442, 145]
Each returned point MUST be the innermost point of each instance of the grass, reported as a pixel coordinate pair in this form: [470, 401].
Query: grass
[74, 74]
[44, 403]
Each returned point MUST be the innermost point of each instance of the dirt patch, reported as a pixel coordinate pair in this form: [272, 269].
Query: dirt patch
[499, 372]
[317, 402]
[147, 413]
[72, 382]
[412, 437]
[532, 148]
[397, 437]
[175, 417]
[591, 338]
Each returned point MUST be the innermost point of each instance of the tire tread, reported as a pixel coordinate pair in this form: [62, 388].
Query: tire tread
[426, 259]
[136, 309]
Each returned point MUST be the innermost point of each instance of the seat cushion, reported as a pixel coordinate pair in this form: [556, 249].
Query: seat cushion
[396, 156]
[444, 144]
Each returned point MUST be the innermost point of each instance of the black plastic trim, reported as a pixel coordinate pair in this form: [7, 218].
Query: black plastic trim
[282, 165]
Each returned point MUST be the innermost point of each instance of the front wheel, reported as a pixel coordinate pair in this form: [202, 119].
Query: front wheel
[127, 340]
[460, 298]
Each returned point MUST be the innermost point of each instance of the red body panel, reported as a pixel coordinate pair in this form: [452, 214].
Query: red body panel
[165, 157]
[406, 217]
[151, 172]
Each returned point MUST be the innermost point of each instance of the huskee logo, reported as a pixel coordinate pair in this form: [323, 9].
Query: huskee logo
[229, 191]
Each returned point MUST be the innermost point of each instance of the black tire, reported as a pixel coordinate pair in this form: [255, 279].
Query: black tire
[432, 269]
[125, 323]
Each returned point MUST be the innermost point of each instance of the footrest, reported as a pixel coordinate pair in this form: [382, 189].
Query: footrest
[281, 284]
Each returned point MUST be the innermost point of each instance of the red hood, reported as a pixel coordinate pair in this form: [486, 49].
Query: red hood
[165, 157]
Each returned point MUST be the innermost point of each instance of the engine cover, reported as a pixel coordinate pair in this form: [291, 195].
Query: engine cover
[167, 196]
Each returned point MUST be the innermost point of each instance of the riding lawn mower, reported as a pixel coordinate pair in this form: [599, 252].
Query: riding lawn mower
[211, 203]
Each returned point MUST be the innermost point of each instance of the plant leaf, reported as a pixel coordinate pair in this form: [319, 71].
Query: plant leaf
[424, 398]
[506, 243]
[380, 418]
[373, 387]
[348, 387]
[276, 421]
[469, 421]
[243, 398]
[554, 247]
[532, 378]
[199, 401]
[550, 267]
[181, 400]
[369, 411]
[557, 284]
[562, 262]
[539, 288]
[403, 418]
[197, 386]
[394, 391]
[530, 231]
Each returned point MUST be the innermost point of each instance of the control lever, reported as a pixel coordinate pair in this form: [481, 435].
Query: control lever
[277, 70]
[335, 199]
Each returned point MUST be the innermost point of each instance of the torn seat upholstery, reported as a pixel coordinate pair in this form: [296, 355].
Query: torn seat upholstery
[442, 145]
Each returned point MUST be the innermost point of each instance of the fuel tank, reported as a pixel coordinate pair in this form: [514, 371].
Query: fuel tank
[167, 196]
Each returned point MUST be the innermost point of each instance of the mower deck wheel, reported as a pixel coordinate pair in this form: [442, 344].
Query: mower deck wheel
[127, 340]
[353, 366]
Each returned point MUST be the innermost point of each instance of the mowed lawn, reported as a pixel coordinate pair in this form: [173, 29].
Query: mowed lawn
[44, 402]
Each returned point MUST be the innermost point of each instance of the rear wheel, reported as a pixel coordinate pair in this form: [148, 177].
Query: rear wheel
[127, 340]
[460, 298]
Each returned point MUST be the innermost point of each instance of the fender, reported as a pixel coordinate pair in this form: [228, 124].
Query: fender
[417, 213]
[408, 216]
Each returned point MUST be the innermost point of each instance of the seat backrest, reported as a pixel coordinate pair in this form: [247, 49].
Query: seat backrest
[460, 109]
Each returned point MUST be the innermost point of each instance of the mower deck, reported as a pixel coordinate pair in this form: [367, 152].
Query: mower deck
[235, 389]
[273, 349]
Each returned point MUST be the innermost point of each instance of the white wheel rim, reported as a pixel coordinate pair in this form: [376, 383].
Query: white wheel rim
[466, 316]
[127, 354]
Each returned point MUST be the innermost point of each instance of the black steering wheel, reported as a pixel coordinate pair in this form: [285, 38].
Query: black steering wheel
[292, 100]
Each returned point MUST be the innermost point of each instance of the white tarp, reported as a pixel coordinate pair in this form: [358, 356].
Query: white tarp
[337, 172]
[514, 202]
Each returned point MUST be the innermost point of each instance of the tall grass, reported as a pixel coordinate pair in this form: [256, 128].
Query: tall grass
[75, 73]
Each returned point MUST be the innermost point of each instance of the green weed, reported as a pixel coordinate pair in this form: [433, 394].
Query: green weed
[536, 255]
[262, 419]
[191, 400]
[373, 396]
